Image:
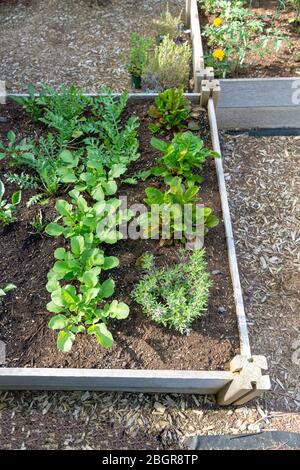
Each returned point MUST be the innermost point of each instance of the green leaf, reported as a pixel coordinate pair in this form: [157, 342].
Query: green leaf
[118, 310]
[58, 322]
[91, 278]
[77, 245]
[9, 287]
[65, 340]
[67, 156]
[98, 193]
[53, 308]
[16, 198]
[63, 207]
[107, 288]
[54, 229]
[154, 196]
[116, 171]
[110, 187]
[67, 175]
[110, 262]
[69, 295]
[2, 190]
[159, 144]
[11, 136]
[102, 334]
[60, 253]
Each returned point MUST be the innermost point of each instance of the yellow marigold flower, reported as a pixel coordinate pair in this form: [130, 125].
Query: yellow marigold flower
[219, 54]
[218, 21]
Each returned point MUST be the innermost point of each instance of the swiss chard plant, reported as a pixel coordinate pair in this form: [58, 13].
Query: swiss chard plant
[170, 111]
[182, 157]
[8, 209]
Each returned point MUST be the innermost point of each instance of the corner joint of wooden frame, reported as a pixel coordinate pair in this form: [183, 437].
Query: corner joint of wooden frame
[248, 380]
[209, 89]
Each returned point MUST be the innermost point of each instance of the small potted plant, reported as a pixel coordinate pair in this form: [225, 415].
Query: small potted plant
[138, 58]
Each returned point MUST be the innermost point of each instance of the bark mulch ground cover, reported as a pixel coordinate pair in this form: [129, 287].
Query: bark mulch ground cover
[80, 43]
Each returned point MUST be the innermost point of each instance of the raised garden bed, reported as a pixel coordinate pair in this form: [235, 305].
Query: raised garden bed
[145, 356]
[246, 102]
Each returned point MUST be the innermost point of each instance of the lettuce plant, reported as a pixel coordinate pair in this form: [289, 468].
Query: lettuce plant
[185, 154]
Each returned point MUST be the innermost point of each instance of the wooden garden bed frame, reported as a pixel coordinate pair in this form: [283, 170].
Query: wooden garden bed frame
[245, 103]
[242, 382]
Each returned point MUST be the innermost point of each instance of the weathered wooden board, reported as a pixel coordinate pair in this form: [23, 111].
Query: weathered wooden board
[258, 118]
[260, 93]
[114, 379]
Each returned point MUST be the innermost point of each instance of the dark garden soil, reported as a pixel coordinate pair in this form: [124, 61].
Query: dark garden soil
[26, 258]
[285, 63]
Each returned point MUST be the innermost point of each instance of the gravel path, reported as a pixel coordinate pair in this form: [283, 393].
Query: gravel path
[62, 41]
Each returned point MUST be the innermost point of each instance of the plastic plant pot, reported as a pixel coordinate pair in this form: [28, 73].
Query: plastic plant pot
[136, 82]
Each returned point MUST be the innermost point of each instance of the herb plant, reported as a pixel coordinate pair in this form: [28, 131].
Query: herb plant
[170, 111]
[169, 66]
[167, 24]
[8, 209]
[176, 296]
[138, 54]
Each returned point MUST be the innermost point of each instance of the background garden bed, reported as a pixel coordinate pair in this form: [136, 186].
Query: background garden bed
[285, 63]
[139, 343]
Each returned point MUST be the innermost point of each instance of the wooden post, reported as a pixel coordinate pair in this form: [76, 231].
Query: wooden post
[188, 13]
[209, 89]
[248, 381]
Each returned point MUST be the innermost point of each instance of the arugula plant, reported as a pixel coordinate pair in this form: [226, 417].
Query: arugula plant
[8, 209]
[170, 111]
[82, 308]
[176, 296]
[52, 164]
[181, 157]
[168, 219]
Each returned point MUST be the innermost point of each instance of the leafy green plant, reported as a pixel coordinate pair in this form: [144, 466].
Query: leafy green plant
[170, 111]
[168, 218]
[8, 209]
[176, 296]
[169, 66]
[78, 218]
[30, 103]
[181, 157]
[48, 160]
[138, 54]
[167, 24]
[119, 143]
[81, 308]
[7, 288]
